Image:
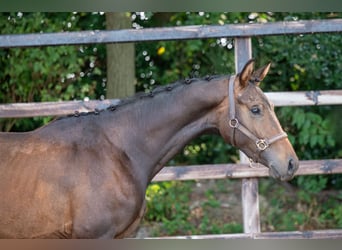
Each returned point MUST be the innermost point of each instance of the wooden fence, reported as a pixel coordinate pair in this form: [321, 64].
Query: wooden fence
[242, 34]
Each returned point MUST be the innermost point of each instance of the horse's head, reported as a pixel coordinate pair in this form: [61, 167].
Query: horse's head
[254, 127]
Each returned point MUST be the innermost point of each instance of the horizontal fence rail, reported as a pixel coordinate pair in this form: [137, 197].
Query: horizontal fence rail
[239, 170]
[171, 33]
[279, 99]
[305, 98]
[316, 234]
[62, 108]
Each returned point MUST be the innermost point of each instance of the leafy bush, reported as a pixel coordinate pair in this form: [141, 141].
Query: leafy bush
[171, 208]
[49, 73]
[308, 207]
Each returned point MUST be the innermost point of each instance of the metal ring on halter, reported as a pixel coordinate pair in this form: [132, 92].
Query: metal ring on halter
[251, 162]
[261, 144]
[234, 123]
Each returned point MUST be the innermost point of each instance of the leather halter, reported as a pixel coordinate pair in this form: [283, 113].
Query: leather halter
[261, 144]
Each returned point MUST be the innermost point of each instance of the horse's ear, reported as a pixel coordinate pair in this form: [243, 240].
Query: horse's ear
[246, 73]
[260, 74]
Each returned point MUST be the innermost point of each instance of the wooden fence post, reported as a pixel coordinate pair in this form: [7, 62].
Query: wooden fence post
[249, 192]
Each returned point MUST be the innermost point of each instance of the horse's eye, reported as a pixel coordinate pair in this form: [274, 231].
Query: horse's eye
[255, 110]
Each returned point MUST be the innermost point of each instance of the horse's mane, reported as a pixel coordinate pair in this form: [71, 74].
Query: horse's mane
[162, 89]
[143, 95]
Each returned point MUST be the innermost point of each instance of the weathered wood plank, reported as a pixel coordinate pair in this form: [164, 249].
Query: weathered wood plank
[249, 187]
[315, 234]
[305, 98]
[298, 98]
[250, 205]
[17, 110]
[237, 171]
[171, 33]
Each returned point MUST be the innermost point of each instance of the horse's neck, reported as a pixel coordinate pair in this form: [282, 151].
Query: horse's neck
[162, 126]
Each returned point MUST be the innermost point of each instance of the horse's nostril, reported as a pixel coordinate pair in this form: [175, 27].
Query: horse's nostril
[291, 166]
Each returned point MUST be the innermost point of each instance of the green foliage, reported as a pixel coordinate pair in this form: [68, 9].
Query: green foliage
[48, 73]
[313, 130]
[175, 197]
[306, 208]
[170, 205]
[168, 61]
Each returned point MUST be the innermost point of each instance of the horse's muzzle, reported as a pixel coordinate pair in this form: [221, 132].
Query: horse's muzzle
[286, 173]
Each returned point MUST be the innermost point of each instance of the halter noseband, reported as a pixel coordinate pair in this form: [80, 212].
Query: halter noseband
[261, 144]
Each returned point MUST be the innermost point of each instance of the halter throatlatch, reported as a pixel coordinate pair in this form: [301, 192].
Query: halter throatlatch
[261, 144]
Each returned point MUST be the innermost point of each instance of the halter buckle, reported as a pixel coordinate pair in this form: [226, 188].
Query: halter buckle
[253, 164]
[261, 144]
[234, 123]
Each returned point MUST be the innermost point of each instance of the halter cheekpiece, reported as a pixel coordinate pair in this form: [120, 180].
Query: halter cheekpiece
[261, 144]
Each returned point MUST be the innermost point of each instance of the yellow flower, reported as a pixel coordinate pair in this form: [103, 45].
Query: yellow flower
[161, 51]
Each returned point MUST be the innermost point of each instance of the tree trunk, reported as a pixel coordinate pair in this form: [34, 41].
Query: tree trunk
[120, 59]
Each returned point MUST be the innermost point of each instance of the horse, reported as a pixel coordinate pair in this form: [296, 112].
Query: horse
[85, 175]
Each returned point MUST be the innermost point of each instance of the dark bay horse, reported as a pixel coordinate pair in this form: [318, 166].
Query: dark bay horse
[86, 176]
